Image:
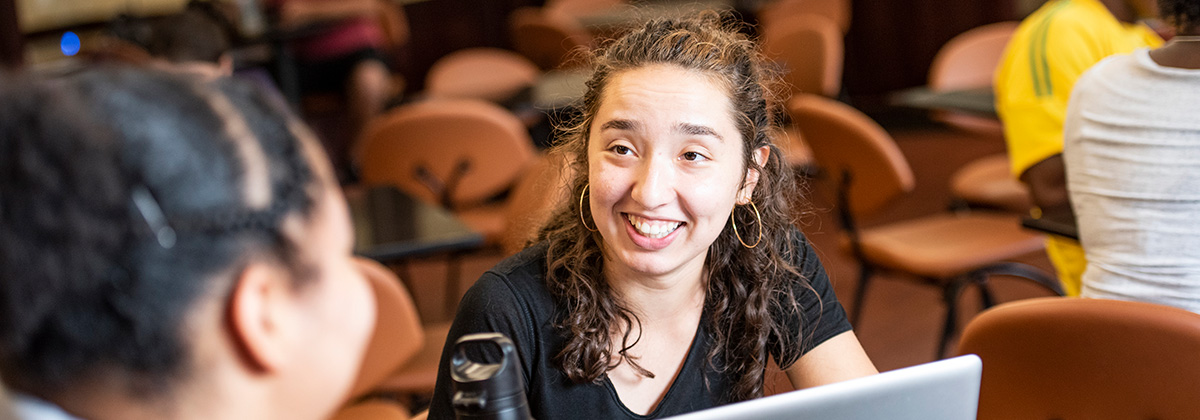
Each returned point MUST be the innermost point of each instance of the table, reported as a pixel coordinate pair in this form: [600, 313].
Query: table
[981, 101]
[390, 226]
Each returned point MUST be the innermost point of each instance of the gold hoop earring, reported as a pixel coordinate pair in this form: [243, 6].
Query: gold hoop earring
[581, 218]
[757, 216]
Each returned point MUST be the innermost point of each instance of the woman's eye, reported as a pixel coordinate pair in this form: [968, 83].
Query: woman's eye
[693, 156]
[621, 150]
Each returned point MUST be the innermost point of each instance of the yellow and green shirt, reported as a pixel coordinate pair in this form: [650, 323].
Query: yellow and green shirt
[1047, 54]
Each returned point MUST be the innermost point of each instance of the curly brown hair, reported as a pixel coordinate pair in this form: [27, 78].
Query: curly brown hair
[744, 285]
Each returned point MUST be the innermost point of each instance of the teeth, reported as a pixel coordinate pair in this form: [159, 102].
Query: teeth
[651, 228]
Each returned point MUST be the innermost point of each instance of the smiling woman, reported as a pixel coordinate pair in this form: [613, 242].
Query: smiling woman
[677, 272]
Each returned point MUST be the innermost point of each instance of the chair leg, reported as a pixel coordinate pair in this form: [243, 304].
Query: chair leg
[950, 326]
[985, 291]
[1026, 271]
[865, 271]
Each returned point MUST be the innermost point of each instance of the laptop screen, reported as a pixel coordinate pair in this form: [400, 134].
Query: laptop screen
[942, 390]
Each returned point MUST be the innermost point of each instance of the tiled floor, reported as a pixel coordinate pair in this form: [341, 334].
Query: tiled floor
[901, 319]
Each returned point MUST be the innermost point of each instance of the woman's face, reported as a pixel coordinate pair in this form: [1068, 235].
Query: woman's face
[337, 308]
[666, 168]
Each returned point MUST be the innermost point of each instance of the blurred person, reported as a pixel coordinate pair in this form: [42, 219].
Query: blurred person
[1132, 156]
[173, 246]
[199, 37]
[1050, 50]
[346, 55]
[665, 285]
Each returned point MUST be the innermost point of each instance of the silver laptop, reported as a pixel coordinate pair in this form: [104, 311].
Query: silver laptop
[942, 390]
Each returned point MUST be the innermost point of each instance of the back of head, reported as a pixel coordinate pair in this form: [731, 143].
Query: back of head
[197, 34]
[129, 197]
[1183, 15]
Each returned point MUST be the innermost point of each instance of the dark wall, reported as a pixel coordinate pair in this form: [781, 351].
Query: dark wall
[892, 42]
[440, 27]
[12, 52]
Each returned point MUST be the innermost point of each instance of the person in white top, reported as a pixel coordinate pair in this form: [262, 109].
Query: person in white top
[1132, 153]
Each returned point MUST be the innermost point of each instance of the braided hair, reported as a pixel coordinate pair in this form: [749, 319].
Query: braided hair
[126, 197]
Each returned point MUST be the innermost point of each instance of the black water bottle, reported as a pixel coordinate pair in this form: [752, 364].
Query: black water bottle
[488, 390]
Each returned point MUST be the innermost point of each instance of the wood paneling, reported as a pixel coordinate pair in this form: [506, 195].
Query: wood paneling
[892, 42]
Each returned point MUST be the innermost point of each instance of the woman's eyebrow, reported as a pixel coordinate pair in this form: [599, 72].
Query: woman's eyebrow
[619, 124]
[698, 130]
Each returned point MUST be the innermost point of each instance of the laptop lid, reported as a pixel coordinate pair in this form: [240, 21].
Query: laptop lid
[942, 390]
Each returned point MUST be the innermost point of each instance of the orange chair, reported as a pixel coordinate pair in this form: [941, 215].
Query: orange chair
[457, 153]
[460, 154]
[810, 50]
[547, 38]
[969, 61]
[837, 11]
[490, 74]
[577, 8]
[396, 340]
[949, 251]
[541, 191]
[403, 356]
[1067, 358]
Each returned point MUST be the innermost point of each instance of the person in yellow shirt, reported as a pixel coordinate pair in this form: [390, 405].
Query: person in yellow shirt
[1048, 52]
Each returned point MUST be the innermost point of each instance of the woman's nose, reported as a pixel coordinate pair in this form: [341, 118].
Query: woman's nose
[655, 183]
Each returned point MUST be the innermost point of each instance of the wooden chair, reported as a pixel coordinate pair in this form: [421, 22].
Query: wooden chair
[541, 191]
[397, 339]
[1069, 358]
[810, 50]
[546, 37]
[948, 251]
[402, 358]
[460, 154]
[490, 74]
[969, 61]
[837, 11]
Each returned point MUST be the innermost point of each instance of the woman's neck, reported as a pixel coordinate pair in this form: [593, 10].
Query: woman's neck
[1182, 52]
[659, 298]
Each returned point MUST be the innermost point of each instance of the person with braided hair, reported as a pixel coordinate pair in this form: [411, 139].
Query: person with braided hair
[172, 246]
[675, 272]
[1132, 136]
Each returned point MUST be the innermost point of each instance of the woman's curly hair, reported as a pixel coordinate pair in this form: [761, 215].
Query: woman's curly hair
[746, 287]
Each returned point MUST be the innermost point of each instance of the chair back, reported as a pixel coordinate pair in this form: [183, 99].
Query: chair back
[490, 74]
[541, 191]
[1075, 358]
[837, 11]
[450, 152]
[398, 333]
[969, 60]
[580, 8]
[844, 141]
[547, 38]
[810, 49]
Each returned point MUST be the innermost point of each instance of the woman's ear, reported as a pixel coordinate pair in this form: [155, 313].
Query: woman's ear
[259, 317]
[760, 156]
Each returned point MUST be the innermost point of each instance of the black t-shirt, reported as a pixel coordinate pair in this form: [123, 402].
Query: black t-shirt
[511, 298]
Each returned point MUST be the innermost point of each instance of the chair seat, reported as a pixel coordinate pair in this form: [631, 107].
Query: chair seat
[989, 182]
[489, 74]
[944, 246]
[419, 375]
